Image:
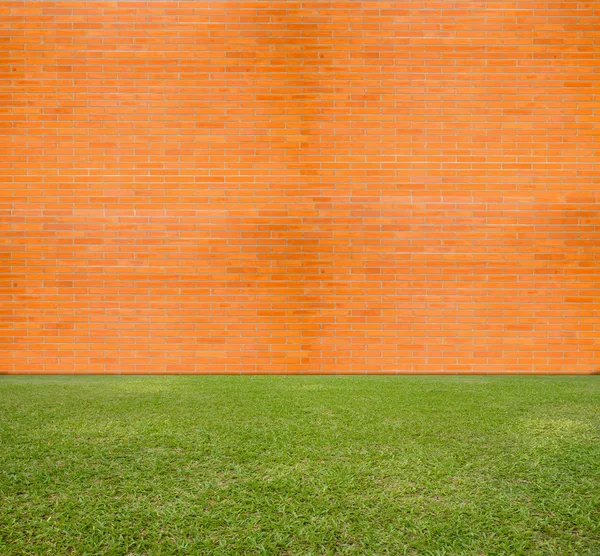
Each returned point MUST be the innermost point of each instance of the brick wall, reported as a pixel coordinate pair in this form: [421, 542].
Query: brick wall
[284, 186]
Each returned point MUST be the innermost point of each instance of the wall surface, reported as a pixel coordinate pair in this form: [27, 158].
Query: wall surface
[284, 186]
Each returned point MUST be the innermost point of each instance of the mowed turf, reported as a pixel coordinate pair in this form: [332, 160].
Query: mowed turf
[300, 465]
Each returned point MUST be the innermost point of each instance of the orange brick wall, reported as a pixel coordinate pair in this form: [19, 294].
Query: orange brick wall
[285, 186]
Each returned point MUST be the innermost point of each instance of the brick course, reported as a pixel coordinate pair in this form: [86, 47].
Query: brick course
[283, 186]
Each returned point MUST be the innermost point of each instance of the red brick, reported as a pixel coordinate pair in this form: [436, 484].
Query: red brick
[299, 187]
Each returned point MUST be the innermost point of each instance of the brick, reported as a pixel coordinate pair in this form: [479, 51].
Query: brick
[299, 187]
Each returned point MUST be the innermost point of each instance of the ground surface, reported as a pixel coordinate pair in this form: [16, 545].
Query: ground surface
[300, 465]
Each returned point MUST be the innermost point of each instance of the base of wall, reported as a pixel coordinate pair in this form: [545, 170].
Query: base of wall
[298, 373]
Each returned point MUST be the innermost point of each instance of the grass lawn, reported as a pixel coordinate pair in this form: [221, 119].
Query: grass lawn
[300, 465]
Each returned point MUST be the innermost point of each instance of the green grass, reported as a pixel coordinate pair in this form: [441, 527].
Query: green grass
[300, 465]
